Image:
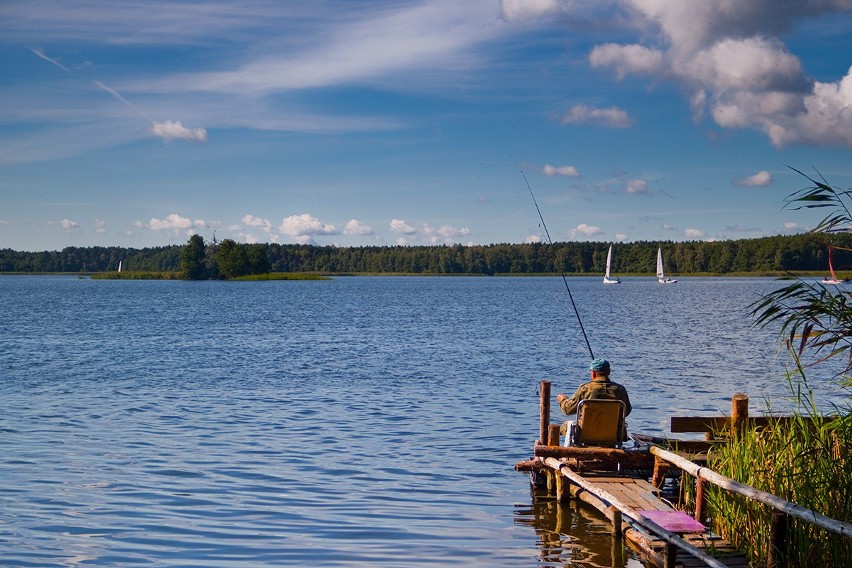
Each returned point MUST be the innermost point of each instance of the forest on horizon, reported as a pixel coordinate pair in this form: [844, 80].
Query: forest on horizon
[793, 253]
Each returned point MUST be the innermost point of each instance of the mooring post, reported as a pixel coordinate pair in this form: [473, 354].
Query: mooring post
[544, 412]
[739, 413]
[700, 500]
[553, 435]
[615, 517]
[776, 557]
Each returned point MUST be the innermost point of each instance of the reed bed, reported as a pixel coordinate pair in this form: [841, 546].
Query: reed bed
[799, 461]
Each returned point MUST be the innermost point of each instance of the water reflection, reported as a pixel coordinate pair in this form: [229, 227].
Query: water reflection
[573, 534]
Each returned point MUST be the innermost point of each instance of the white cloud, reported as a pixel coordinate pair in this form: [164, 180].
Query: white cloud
[423, 232]
[69, 225]
[612, 117]
[257, 222]
[519, 10]
[760, 179]
[585, 230]
[534, 238]
[730, 60]
[170, 130]
[173, 222]
[636, 186]
[100, 226]
[693, 233]
[304, 227]
[569, 171]
[620, 237]
[400, 226]
[355, 227]
[792, 227]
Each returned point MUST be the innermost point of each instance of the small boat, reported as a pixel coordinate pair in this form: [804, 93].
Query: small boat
[119, 266]
[832, 278]
[661, 276]
[608, 279]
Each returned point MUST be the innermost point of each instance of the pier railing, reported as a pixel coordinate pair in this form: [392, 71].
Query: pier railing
[547, 449]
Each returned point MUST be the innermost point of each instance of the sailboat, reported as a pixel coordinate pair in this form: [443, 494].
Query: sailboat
[832, 279]
[608, 279]
[661, 276]
[119, 266]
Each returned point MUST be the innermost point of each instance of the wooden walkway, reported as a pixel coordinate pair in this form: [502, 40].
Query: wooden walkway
[641, 497]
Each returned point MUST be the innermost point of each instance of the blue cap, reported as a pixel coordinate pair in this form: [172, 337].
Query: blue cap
[599, 365]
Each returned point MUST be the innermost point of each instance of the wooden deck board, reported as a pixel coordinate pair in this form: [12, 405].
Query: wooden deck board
[638, 495]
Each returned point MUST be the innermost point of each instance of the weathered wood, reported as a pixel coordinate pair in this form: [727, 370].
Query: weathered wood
[544, 411]
[612, 456]
[775, 557]
[709, 424]
[610, 500]
[700, 500]
[839, 527]
[553, 435]
[661, 467]
[739, 413]
[530, 465]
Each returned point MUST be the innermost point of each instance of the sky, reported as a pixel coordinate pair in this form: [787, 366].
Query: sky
[417, 122]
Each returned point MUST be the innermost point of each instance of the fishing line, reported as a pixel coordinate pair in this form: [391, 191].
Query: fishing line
[564, 279]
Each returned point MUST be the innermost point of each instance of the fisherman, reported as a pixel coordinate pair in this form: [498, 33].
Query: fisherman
[599, 387]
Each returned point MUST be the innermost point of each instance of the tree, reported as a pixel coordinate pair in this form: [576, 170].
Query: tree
[812, 315]
[231, 259]
[192, 266]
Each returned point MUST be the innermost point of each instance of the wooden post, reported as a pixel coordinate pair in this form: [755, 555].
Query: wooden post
[671, 555]
[776, 557]
[615, 516]
[739, 413]
[553, 435]
[561, 493]
[660, 469]
[700, 500]
[544, 412]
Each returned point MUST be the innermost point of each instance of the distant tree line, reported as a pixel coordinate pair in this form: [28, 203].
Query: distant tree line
[198, 259]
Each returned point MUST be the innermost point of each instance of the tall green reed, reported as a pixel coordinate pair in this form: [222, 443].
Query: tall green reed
[804, 460]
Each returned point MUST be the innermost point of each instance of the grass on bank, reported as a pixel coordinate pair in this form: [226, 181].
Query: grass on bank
[798, 461]
[143, 275]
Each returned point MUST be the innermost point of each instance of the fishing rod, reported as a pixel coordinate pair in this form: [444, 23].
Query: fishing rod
[564, 279]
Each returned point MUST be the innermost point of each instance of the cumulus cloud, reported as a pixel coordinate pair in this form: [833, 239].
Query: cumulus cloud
[620, 237]
[585, 230]
[69, 225]
[760, 179]
[792, 227]
[423, 232]
[612, 117]
[173, 222]
[400, 226]
[693, 233]
[303, 228]
[257, 222]
[569, 171]
[355, 227]
[729, 59]
[635, 186]
[534, 238]
[174, 130]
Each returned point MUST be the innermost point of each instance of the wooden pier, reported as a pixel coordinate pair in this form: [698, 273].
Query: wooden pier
[626, 486]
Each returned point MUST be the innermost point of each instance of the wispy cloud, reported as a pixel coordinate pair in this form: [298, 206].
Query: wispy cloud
[39, 53]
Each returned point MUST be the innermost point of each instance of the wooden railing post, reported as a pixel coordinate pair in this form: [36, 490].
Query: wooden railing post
[544, 412]
[776, 555]
[700, 500]
[739, 413]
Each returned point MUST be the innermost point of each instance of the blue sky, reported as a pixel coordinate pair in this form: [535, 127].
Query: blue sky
[409, 122]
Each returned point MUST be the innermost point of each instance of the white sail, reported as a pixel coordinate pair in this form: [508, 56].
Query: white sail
[608, 279]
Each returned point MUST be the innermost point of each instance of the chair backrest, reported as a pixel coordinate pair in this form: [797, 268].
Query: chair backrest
[600, 422]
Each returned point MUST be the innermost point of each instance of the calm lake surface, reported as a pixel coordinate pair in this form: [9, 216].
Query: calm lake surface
[359, 421]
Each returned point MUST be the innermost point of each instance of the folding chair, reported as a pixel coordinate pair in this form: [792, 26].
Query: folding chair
[600, 422]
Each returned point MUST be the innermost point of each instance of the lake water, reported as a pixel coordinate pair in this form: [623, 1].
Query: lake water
[359, 421]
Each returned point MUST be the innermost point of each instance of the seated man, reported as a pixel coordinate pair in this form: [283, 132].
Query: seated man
[599, 387]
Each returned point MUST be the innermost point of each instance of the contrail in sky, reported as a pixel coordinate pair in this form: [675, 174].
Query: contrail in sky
[167, 130]
[118, 96]
[41, 55]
